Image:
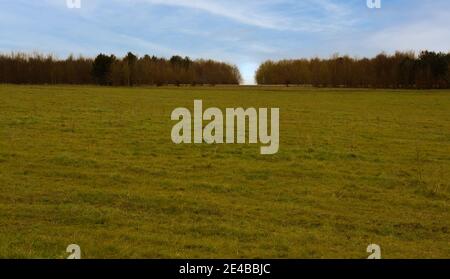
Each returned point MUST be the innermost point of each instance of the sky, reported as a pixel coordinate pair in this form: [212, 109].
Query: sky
[240, 32]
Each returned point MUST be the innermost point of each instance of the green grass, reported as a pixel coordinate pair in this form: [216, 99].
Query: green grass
[96, 167]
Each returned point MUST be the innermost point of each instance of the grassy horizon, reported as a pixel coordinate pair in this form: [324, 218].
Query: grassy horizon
[96, 166]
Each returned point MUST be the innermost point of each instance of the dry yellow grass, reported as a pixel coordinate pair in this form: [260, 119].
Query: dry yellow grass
[96, 166]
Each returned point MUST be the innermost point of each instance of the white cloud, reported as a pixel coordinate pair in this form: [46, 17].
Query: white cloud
[432, 34]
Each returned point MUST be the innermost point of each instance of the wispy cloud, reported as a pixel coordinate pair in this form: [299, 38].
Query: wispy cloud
[266, 14]
[241, 12]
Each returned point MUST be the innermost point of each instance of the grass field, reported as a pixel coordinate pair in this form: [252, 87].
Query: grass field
[97, 167]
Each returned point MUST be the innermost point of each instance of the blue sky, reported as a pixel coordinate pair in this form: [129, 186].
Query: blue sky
[242, 32]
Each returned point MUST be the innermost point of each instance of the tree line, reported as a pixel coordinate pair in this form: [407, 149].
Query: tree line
[21, 68]
[428, 70]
